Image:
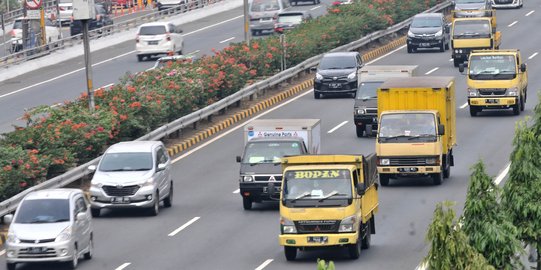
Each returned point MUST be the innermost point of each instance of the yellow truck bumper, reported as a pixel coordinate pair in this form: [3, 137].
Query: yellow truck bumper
[496, 102]
[409, 169]
[301, 240]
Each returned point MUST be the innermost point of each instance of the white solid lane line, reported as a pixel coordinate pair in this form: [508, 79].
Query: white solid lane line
[464, 105]
[226, 40]
[213, 25]
[432, 70]
[513, 23]
[529, 13]
[502, 174]
[2, 252]
[451, 60]
[316, 7]
[236, 191]
[264, 264]
[173, 233]
[124, 265]
[337, 127]
[533, 55]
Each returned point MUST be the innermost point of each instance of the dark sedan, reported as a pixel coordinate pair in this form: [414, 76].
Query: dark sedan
[102, 19]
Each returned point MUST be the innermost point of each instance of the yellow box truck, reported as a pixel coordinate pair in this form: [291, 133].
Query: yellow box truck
[328, 201]
[417, 128]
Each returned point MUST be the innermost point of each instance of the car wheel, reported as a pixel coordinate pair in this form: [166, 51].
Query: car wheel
[437, 178]
[447, 45]
[246, 203]
[11, 266]
[409, 49]
[88, 255]
[384, 179]
[254, 33]
[155, 209]
[95, 212]
[74, 258]
[442, 46]
[168, 202]
[360, 131]
[290, 252]
[365, 244]
[354, 250]
[317, 95]
[140, 58]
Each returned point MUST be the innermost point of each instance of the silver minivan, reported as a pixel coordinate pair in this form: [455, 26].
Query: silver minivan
[135, 174]
[263, 14]
[52, 225]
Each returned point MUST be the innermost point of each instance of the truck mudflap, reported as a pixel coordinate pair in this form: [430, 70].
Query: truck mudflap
[493, 102]
[318, 240]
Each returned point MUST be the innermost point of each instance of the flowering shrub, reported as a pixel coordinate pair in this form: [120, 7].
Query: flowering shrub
[58, 139]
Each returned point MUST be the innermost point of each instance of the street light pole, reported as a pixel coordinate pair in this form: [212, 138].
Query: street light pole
[246, 23]
[88, 67]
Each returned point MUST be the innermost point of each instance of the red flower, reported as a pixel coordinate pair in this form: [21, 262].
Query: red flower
[135, 104]
[22, 184]
[100, 129]
[7, 168]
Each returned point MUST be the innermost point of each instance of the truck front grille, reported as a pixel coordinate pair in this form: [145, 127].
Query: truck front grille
[317, 226]
[267, 178]
[492, 92]
[408, 161]
[120, 191]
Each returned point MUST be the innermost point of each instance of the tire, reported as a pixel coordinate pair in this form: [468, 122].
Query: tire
[11, 266]
[168, 201]
[409, 48]
[474, 111]
[140, 58]
[442, 46]
[384, 179]
[254, 33]
[317, 95]
[522, 105]
[360, 131]
[95, 212]
[88, 255]
[246, 203]
[437, 178]
[155, 209]
[354, 250]
[74, 260]
[365, 243]
[456, 62]
[447, 171]
[516, 107]
[447, 46]
[290, 252]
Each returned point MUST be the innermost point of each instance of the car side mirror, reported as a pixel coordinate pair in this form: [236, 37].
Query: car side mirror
[160, 167]
[523, 67]
[461, 68]
[80, 216]
[361, 188]
[92, 168]
[239, 159]
[8, 218]
[441, 129]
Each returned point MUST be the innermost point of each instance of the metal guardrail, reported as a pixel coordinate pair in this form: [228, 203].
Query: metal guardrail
[28, 54]
[77, 173]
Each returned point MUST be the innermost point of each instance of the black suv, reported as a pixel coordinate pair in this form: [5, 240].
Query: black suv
[102, 19]
[337, 74]
[428, 30]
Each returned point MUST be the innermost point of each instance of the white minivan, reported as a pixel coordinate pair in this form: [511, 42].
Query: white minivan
[158, 38]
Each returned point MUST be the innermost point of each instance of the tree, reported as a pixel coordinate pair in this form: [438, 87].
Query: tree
[449, 247]
[13, 5]
[487, 226]
[522, 191]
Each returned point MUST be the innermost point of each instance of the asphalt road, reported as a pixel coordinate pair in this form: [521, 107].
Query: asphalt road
[218, 234]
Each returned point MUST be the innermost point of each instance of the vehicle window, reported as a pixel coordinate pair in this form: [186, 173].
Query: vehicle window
[468, 29]
[65, 1]
[359, 60]
[152, 30]
[18, 24]
[160, 156]
[49, 23]
[165, 155]
[426, 22]
[407, 125]
[270, 152]
[137, 161]
[337, 62]
[367, 90]
[290, 18]
[100, 10]
[264, 5]
[81, 205]
[43, 211]
[317, 183]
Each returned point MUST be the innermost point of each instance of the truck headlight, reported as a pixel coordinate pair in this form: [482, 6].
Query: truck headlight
[319, 77]
[458, 51]
[410, 34]
[472, 92]
[287, 226]
[12, 239]
[384, 162]
[360, 111]
[352, 75]
[432, 161]
[247, 178]
[439, 33]
[512, 92]
[348, 224]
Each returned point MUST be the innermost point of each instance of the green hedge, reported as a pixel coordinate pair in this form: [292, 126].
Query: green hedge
[58, 139]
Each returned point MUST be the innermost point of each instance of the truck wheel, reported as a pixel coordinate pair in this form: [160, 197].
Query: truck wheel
[473, 111]
[447, 171]
[317, 95]
[522, 105]
[354, 250]
[95, 212]
[365, 244]
[246, 203]
[437, 178]
[290, 252]
[359, 130]
[447, 45]
[384, 179]
[456, 62]
[516, 107]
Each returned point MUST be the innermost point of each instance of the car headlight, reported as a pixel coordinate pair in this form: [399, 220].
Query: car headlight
[65, 235]
[348, 224]
[352, 75]
[287, 226]
[384, 162]
[410, 34]
[12, 239]
[439, 33]
[360, 111]
[319, 77]
[148, 182]
[512, 91]
[247, 178]
[432, 161]
[96, 184]
[472, 92]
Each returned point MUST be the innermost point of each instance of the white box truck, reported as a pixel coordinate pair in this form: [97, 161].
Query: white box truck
[266, 141]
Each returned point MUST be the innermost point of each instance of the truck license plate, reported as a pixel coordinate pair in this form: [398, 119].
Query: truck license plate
[318, 239]
[335, 85]
[491, 101]
[408, 169]
[120, 200]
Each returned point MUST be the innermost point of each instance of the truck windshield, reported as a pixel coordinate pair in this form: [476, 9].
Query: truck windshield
[407, 126]
[367, 90]
[270, 152]
[471, 29]
[317, 184]
[492, 67]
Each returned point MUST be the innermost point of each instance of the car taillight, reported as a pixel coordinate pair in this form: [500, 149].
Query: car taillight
[12, 33]
[275, 17]
[98, 17]
[137, 39]
[61, 8]
[71, 18]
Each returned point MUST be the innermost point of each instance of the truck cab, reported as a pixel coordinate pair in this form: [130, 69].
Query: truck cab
[476, 33]
[496, 79]
[328, 201]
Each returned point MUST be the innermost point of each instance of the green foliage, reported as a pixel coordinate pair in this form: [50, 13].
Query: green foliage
[487, 226]
[322, 265]
[449, 247]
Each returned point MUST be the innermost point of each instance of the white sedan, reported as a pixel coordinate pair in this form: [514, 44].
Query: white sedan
[51, 32]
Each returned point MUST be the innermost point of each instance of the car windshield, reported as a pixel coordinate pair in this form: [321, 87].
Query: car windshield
[152, 30]
[488, 67]
[294, 19]
[407, 125]
[270, 152]
[18, 24]
[426, 22]
[474, 28]
[317, 184]
[337, 62]
[126, 162]
[367, 90]
[264, 5]
[43, 211]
